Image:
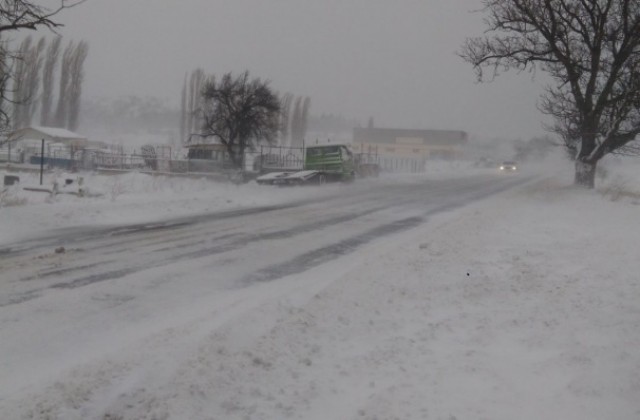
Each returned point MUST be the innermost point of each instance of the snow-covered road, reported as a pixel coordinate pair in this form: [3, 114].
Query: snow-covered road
[425, 299]
[117, 285]
[244, 246]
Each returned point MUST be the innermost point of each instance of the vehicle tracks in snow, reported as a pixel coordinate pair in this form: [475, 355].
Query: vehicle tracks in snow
[336, 227]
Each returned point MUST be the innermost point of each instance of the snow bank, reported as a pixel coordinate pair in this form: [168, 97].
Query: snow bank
[126, 198]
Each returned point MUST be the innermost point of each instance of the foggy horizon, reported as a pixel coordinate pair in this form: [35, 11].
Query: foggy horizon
[394, 62]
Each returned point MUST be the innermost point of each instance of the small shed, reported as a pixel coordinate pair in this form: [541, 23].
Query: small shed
[59, 143]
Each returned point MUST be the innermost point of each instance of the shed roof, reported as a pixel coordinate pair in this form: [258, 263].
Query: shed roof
[52, 132]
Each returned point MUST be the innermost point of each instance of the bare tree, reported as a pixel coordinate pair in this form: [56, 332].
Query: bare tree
[20, 97]
[240, 113]
[590, 49]
[79, 56]
[285, 111]
[32, 81]
[26, 81]
[304, 117]
[183, 111]
[48, 74]
[196, 83]
[5, 78]
[192, 104]
[21, 14]
[299, 120]
[16, 15]
[62, 110]
[296, 117]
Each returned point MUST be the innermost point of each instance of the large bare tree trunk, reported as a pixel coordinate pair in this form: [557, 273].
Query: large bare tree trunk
[585, 167]
[585, 173]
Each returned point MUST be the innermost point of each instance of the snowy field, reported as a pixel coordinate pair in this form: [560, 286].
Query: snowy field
[525, 305]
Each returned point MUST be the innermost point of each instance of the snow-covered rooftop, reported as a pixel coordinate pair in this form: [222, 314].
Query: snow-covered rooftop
[55, 132]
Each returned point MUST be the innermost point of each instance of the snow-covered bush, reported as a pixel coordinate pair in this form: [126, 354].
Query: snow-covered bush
[9, 197]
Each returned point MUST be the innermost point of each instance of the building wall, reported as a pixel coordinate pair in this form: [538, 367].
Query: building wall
[415, 144]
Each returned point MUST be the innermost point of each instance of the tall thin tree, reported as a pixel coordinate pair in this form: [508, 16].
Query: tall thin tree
[48, 75]
[285, 111]
[195, 100]
[296, 140]
[304, 117]
[183, 111]
[5, 78]
[80, 53]
[63, 90]
[32, 85]
[14, 16]
[20, 81]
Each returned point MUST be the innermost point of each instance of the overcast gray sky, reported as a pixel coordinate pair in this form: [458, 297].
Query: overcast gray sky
[393, 60]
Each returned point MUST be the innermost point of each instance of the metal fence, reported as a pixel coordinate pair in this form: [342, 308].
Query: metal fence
[264, 159]
[9, 155]
[270, 159]
[402, 165]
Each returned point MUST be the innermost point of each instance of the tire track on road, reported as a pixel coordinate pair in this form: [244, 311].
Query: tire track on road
[116, 268]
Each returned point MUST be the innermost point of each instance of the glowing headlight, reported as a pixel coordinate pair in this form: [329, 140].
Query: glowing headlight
[502, 168]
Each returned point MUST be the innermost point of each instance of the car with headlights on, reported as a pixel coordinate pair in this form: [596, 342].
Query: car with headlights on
[508, 166]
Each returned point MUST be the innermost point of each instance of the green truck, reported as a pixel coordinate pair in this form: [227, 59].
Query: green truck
[322, 164]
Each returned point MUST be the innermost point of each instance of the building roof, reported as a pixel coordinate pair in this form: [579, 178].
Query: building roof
[51, 132]
[391, 135]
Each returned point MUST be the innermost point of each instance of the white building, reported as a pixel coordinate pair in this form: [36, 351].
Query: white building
[58, 142]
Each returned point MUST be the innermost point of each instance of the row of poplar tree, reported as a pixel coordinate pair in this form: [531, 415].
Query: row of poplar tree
[34, 80]
[292, 119]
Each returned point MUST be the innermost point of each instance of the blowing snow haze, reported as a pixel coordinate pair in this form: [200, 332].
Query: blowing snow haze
[393, 61]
